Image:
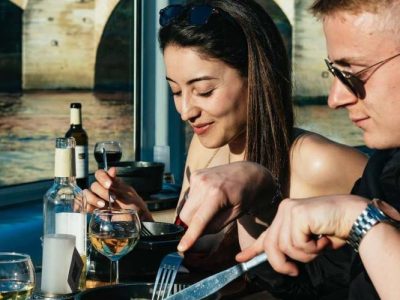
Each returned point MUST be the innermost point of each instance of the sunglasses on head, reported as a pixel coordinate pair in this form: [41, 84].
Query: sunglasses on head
[196, 14]
[353, 82]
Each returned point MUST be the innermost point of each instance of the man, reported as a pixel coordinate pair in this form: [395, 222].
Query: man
[363, 42]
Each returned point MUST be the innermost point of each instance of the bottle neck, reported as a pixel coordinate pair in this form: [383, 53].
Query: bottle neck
[76, 117]
[64, 163]
[64, 180]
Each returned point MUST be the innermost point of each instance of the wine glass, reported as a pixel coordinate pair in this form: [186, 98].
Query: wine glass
[17, 276]
[114, 233]
[112, 149]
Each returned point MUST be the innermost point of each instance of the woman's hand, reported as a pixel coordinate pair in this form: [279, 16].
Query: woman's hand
[125, 195]
[219, 195]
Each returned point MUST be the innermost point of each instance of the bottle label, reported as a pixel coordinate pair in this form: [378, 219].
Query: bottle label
[75, 224]
[63, 163]
[75, 117]
[81, 161]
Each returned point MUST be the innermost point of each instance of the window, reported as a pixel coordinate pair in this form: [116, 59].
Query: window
[57, 52]
[304, 37]
[312, 81]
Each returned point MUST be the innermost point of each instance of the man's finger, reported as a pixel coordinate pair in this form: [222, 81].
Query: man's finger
[253, 250]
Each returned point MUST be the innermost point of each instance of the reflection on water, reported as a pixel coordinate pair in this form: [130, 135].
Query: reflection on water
[29, 124]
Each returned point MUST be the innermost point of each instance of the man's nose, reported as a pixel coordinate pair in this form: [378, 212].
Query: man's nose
[340, 96]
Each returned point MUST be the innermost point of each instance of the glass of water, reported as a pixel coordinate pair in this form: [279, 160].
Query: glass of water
[17, 276]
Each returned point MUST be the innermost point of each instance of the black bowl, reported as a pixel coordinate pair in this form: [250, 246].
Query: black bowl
[139, 290]
[160, 231]
[145, 177]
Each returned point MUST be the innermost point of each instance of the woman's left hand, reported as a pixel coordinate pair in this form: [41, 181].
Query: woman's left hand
[125, 196]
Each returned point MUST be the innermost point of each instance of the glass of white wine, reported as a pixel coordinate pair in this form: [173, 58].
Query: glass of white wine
[114, 233]
[17, 276]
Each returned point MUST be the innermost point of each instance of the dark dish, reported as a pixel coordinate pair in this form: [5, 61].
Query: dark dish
[144, 176]
[160, 231]
[131, 291]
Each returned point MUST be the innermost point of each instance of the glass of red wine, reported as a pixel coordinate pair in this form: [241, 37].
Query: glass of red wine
[112, 150]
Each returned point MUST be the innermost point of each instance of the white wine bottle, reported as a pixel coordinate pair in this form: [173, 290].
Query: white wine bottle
[64, 204]
[81, 149]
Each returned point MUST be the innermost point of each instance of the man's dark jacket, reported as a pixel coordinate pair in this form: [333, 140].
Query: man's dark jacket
[339, 274]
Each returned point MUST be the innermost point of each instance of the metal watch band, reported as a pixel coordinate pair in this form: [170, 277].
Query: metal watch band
[365, 221]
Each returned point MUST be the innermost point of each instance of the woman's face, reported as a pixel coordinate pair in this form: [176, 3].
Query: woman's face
[210, 95]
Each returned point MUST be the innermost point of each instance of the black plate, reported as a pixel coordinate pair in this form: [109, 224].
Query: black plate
[131, 291]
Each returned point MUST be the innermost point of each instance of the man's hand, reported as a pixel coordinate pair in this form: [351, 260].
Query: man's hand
[302, 228]
[220, 195]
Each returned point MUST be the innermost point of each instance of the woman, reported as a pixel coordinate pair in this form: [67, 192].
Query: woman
[229, 74]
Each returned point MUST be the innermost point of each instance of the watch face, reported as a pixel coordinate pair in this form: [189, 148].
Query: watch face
[387, 209]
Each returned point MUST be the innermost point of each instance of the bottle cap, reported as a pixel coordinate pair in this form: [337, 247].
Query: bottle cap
[75, 105]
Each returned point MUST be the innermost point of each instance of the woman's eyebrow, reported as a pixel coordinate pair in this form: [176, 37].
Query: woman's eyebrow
[191, 81]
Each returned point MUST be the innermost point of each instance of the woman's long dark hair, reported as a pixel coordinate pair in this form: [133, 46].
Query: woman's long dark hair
[248, 40]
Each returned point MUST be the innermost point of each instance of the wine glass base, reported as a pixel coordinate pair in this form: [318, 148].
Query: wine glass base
[51, 296]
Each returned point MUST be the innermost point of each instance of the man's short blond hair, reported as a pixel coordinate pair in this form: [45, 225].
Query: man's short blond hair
[321, 8]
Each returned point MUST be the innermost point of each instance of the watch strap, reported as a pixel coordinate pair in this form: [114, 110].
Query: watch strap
[370, 216]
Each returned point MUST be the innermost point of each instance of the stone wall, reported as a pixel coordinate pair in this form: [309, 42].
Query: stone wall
[60, 40]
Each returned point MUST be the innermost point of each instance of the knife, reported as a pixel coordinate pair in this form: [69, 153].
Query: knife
[212, 284]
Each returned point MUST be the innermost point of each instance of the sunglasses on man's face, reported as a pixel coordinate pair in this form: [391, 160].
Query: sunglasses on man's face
[196, 14]
[353, 82]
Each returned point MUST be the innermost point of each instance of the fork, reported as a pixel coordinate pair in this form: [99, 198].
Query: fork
[166, 275]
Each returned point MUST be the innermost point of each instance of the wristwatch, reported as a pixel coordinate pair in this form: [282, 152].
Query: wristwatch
[375, 212]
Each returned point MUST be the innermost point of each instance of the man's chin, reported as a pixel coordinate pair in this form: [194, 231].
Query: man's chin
[380, 143]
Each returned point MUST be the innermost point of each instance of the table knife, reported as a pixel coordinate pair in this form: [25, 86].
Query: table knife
[212, 284]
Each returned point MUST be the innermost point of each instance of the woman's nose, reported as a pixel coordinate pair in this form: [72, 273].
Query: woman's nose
[189, 110]
[340, 96]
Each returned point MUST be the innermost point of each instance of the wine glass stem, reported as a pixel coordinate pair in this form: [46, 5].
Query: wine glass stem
[116, 272]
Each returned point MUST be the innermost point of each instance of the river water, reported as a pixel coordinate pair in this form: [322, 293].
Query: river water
[29, 124]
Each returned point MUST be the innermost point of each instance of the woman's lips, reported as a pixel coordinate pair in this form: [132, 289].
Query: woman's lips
[359, 122]
[201, 129]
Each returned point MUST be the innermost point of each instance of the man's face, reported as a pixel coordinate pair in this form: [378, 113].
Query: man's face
[355, 42]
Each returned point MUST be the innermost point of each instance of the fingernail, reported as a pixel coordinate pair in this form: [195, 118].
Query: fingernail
[108, 184]
[100, 203]
[182, 246]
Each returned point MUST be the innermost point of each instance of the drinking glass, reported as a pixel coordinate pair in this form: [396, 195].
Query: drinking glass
[17, 276]
[114, 233]
[112, 149]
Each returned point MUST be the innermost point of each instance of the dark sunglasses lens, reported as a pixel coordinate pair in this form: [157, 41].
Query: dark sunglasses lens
[345, 81]
[357, 86]
[200, 14]
[351, 82]
[168, 14]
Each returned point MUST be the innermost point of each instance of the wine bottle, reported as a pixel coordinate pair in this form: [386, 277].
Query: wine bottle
[64, 204]
[81, 149]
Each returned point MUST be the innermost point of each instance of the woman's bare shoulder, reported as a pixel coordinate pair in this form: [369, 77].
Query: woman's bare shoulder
[326, 164]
